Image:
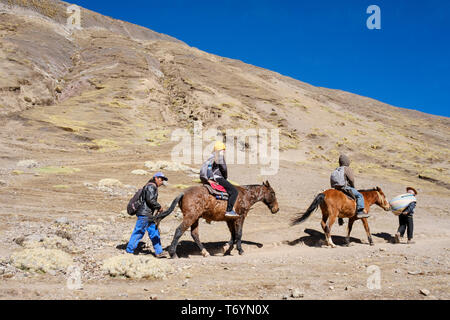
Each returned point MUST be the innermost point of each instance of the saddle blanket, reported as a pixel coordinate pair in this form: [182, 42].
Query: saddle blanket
[217, 190]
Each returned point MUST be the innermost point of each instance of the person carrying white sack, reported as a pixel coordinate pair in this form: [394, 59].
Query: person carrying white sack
[405, 217]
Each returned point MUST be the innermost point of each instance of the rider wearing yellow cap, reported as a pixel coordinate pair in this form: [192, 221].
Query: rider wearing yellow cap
[220, 174]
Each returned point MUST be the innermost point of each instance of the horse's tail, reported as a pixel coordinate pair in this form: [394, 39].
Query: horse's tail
[164, 214]
[317, 201]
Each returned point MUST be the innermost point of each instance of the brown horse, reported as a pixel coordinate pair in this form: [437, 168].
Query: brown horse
[196, 202]
[335, 204]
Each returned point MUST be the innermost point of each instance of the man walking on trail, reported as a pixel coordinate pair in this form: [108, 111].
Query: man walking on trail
[343, 179]
[405, 219]
[149, 206]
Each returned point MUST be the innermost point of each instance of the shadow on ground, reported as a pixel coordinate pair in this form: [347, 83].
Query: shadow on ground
[142, 248]
[188, 248]
[317, 239]
[386, 236]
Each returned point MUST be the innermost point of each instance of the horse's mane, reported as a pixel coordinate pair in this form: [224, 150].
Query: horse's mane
[251, 185]
[368, 190]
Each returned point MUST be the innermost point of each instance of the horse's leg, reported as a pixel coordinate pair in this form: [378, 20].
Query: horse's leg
[325, 228]
[366, 226]
[329, 223]
[239, 225]
[349, 230]
[195, 236]
[178, 233]
[230, 244]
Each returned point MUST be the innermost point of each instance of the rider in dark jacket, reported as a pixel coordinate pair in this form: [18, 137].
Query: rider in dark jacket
[149, 206]
[150, 200]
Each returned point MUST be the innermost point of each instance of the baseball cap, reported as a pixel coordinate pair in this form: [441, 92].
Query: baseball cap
[160, 175]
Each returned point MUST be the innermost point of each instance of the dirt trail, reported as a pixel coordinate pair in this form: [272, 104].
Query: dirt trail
[277, 257]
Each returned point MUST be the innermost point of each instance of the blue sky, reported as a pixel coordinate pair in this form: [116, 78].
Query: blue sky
[322, 42]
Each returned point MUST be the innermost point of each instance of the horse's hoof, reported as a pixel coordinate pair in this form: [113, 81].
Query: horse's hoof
[371, 243]
[173, 255]
[333, 245]
[205, 253]
[241, 252]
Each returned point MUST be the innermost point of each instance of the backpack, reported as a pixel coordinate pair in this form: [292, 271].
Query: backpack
[337, 178]
[206, 170]
[136, 201]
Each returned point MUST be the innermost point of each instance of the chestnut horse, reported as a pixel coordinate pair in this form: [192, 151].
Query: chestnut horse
[196, 202]
[335, 204]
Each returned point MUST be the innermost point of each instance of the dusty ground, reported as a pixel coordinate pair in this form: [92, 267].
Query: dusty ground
[277, 257]
[99, 102]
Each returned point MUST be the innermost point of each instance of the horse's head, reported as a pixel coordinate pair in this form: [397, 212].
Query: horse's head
[269, 197]
[381, 200]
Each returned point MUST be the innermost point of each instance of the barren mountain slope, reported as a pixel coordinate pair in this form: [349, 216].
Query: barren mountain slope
[111, 82]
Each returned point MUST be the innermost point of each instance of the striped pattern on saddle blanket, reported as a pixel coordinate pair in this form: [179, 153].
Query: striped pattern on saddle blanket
[217, 190]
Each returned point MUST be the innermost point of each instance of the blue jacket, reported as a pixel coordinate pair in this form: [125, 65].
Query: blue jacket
[409, 210]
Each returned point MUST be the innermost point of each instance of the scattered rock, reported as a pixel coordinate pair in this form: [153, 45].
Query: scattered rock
[62, 220]
[331, 287]
[109, 183]
[347, 288]
[139, 172]
[168, 165]
[414, 272]
[2, 183]
[27, 164]
[22, 241]
[285, 297]
[153, 297]
[296, 293]
[63, 234]
[425, 292]
[382, 249]
[124, 214]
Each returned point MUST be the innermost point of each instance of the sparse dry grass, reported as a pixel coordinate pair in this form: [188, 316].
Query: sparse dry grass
[44, 7]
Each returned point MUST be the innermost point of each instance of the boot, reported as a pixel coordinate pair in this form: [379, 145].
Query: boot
[231, 214]
[361, 214]
[410, 241]
[163, 254]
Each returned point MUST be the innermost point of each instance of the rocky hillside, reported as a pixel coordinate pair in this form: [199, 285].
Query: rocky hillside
[112, 86]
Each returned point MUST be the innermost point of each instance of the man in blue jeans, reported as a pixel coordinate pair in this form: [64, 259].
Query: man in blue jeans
[149, 205]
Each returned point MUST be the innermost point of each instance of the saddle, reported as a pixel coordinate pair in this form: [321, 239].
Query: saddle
[348, 194]
[217, 191]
